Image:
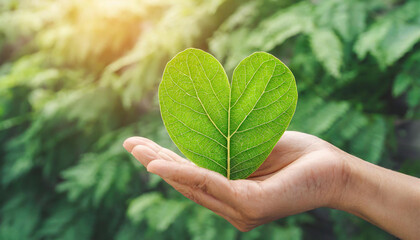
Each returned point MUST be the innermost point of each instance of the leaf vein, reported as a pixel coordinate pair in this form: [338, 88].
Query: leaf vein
[172, 80]
[198, 132]
[281, 114]
[246, 86]
[278, 99]
[196, 93]
[175, 101]
[210, 81]
[246, 116]
[198, 154]
[253, 148]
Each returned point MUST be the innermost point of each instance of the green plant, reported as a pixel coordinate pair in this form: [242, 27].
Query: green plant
[78, 77]
[228, 128]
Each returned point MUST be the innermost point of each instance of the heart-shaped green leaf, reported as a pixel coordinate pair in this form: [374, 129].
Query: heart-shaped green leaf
[227, 129]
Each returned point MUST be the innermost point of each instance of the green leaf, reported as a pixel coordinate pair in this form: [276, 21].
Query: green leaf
[202, 226]
[398, 42]
[402, 82]
[325, 116]
[370, 141]
[413, 96]
[227, 129]
[285, 24]
[328, 50]
[139, 205]
[232, 43]
[389, 39]
[347, 18]
[289, 232]
[315, 116]
[163, 215]
[370, 40]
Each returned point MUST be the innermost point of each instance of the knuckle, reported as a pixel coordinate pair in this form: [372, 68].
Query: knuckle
[160, 153]
[192, 196]
[203, 184]
[189, 193]
[163, 153]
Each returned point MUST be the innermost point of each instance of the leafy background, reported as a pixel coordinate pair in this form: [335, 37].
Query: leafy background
[78, 77]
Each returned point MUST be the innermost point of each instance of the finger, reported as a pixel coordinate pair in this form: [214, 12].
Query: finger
[220, 208]
[131, 142]
[198, 196]
[195, 177]
[144, 154]
[160, 152]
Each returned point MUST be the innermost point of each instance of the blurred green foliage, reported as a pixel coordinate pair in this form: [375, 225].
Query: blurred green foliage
[78, 77]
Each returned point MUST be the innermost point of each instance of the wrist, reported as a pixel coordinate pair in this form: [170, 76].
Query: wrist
[387, 199]
[359, 184]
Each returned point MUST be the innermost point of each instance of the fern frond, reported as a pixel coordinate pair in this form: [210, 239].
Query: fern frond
[325, 116]
[20, 206]
[315, 116]
[347, 18]
[161, 216]
[346, 128]
[306, 107]
[235, 44]
[413, 97]
[401, 84]
[391, 37]
[328, 49]
[369, 143]
[138, 206]
[289, 22]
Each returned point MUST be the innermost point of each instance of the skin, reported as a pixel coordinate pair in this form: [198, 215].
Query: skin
[303, 172]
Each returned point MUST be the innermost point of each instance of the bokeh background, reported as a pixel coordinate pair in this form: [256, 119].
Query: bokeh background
[78, 77]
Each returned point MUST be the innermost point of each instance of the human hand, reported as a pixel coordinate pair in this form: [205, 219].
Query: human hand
[302, 172]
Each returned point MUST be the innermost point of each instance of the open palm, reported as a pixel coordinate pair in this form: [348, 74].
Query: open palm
[301, 173]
